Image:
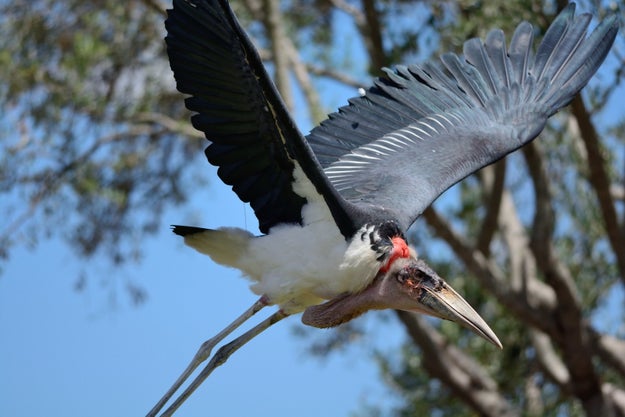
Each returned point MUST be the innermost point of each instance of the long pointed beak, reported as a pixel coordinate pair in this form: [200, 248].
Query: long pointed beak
[444, 302]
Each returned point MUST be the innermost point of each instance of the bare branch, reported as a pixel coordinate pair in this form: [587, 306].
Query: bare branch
[354, 12]
[274, 25]
[466, 378]
[169, 123]
[157, 6]
[335, 75]
[600, 182]
[618, 192]
[542, 247]
[301, 74]
[531, 303]
[493, 178]
[534, 405]
[615, 397]
[368, 24]
[372, 33]
[49, 181]
[610, 349]
[549, 360]
[573, 340]
[544, 217]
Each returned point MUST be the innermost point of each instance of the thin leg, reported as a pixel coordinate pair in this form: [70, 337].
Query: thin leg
[205, 350]
[221, 356]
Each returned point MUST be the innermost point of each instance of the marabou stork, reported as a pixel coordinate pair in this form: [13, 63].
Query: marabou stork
[333, 206]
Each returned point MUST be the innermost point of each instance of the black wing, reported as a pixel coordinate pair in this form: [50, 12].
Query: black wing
[423, 128]
[254, 142]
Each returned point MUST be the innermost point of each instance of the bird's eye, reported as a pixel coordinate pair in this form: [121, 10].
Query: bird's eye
[403, 274]
[420, 274]
[411, 273]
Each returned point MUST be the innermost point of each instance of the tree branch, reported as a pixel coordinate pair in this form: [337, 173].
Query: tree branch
[51, 179]
[549, 361]
[572, 338]
[354, 12]
[610, 349]
[534, 404]
[368, 24]
[600, 182]
[531, 302]
[172, 125]
[615, 397]
[272, 19]
[494, 178]
[303, 78]
[335, 75]
[156, 6]
[372, 33]
[466, 378]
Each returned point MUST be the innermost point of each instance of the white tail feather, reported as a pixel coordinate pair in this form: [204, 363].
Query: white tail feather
[224, 245]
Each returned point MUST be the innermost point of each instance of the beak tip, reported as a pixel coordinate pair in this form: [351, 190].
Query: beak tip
[449, 305]
[496, 342]
[480, 328]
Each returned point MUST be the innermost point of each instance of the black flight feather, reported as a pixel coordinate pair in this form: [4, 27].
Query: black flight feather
[254, 142]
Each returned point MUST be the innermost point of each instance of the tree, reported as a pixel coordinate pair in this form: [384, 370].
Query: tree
[535, 242]
[92, 125]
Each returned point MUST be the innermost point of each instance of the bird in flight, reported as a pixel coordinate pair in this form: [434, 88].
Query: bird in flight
[334, 206]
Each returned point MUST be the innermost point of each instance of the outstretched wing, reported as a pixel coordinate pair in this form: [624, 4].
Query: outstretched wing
[421, 129]
[254, 142]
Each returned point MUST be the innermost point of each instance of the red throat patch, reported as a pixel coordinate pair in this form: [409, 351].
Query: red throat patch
[400, 250]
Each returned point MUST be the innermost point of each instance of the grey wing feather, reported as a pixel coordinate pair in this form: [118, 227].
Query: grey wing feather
[421, 129]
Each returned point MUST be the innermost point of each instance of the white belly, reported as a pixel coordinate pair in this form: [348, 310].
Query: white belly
[296, 266]
[301, 266]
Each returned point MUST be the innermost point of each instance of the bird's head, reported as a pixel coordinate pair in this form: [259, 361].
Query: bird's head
[409, 284]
